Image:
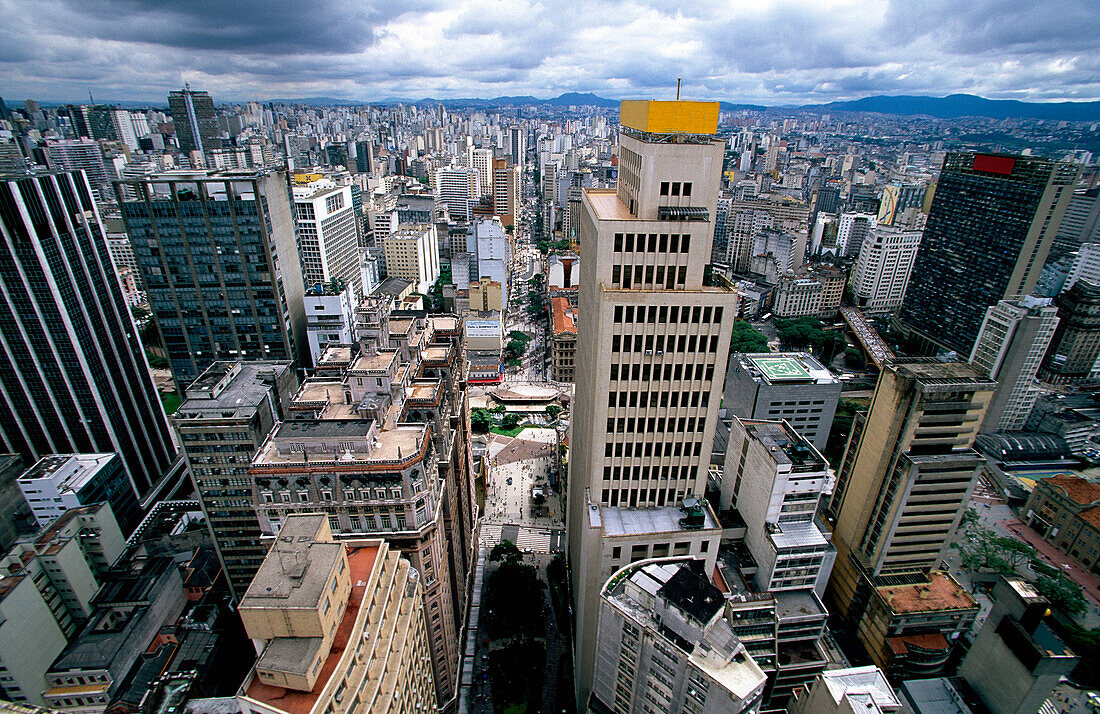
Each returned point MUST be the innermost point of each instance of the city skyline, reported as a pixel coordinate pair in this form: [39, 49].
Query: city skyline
[62, 51]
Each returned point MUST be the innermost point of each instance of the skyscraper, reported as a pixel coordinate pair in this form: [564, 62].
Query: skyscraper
[992, 222]
[1076, 342]
[327, 238]
[194, 119]
[881, 273]
[655, 342]
[220, 264]
[76, 379]
[232, 406]
[904, 481]
[1010, 347]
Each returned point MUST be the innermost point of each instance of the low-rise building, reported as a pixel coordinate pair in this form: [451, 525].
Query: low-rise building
[340, 622]
[909, 630]
[790, 386]
[664, 644]
[1017, 659]
[563, 343]
[60, 482]
[1065, 510]
[862, 690]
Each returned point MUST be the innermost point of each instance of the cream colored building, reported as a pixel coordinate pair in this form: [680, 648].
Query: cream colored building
[342, 626]
[412, 253]
[486, 295]
[654, 345]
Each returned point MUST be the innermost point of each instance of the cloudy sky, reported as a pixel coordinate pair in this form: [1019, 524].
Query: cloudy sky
[766, 51]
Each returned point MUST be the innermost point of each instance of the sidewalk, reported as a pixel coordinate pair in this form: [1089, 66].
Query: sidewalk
[1088, 582]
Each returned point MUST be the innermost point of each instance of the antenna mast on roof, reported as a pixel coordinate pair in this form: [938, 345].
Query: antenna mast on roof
[678, 88]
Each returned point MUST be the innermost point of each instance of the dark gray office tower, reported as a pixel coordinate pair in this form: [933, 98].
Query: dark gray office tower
[194, 119]
[74, 375]
[232, 407]
[364, 156]
[220, 265]
[992, 222]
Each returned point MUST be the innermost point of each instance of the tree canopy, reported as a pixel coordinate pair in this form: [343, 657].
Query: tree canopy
[747, 338]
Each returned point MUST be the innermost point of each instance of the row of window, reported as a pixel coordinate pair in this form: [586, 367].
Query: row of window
[663, 314]
[626, 276]
[652, 242]
[701, 372]
[685, 344]
[673, 400]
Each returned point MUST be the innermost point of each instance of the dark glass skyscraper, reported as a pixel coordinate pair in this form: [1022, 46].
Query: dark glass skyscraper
[194, 119]
[990, 228]
[220, 265]
[74, 375]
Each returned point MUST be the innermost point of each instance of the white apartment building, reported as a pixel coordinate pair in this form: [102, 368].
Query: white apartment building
[774, 478]
[481, 160]
[665, 645]
[852, 229]
[330, 319]
[328, 243]
[458, 188]
[882, 271]
[1010, 347]
[412, 253]
[1086, 265]
[654, 345]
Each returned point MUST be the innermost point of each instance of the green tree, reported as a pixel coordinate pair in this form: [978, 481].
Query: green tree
[553, 410]
[480, 420]
[746, 338]
[854, 358]
[1062, 592]
[510, 421]
[507, 551]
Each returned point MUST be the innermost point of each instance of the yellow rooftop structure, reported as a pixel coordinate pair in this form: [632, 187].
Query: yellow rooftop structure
[657, 117]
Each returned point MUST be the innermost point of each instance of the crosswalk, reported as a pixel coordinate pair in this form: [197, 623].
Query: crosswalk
[537, 540]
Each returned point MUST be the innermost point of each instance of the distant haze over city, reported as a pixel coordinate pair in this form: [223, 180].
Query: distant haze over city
[771, 53]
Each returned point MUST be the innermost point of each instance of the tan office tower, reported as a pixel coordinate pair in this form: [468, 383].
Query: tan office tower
[904, 482]
[655, 342]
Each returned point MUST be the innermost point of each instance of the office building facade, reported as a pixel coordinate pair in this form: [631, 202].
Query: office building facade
[907, 474]
[328, 242]
[883, 268]
[655, 342]
[76, 378]
[194, 120]
[990, 229]
[1076, 341]
[219, 260]
[338, 622]
[226, 415]
[1014, 337]
[791, 386]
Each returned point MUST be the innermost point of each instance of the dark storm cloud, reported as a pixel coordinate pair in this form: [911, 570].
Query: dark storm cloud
[758, 51]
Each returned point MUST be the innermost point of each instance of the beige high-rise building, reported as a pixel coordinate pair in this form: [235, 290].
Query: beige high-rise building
[412, 253]
[902, 486]
[655, 342]
[340, 623]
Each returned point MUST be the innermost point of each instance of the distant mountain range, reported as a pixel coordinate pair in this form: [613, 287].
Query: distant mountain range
[949, 107]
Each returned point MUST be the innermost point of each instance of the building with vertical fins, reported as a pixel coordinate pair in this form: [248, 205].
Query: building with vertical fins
[219, 261]
[194, 119]
[1010, 347]
[75, 377]
[655, 342]
[990, 228]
